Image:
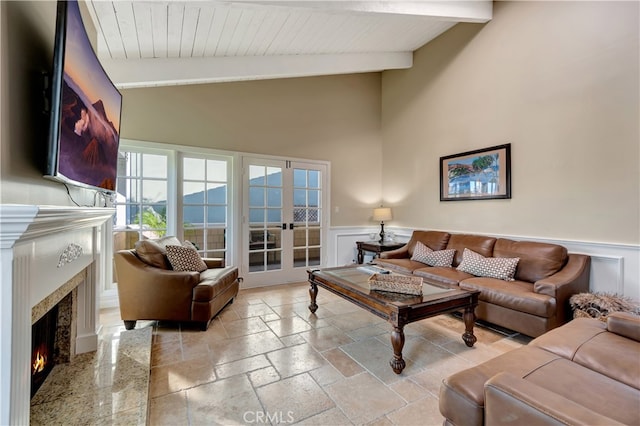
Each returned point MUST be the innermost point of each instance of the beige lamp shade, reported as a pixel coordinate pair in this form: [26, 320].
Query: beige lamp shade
[381, 214]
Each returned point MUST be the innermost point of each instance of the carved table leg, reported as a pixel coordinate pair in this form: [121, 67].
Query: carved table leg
[397, 341]
[313, 292]
[469, 319]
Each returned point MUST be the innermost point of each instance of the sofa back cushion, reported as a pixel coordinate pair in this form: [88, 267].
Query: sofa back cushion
[435, 240]
[154, 252]
[537, 260]
[478, 243]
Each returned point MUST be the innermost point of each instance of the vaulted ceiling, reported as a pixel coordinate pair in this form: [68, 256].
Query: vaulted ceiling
[153, 43]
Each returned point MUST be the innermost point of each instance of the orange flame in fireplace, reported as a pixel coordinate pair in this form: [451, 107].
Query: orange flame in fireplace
[39, 363]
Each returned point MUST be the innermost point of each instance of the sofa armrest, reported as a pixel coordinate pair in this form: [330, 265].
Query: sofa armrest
[624, 324]
[214, 262]
[572, 279]
[401, 253]
[510, 400]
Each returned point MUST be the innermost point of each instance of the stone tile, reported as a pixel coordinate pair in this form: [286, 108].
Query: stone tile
[243, 347]
[241, 366]
[289, 325]
[244, 327]
[289, 310]
[342, 362]
[295, 360]
[195, 349]
[423, 353]
[228, 314]
[169, 410]
[293, 340]
[374, 356]
[181, 375]
[270, 317]
[332, 417]
[408, 390]
[326, 338]
[423, 412]
[477, 354]
[166, 353]
[214, 333]
[295, 398]
[223, 402]
[429, 380]
[354, 320]
[381, 421]
[253, 310]
[369, 331]
[363, 398]
[316, 322]
[263, 376]
[326, 375]
[338, 307]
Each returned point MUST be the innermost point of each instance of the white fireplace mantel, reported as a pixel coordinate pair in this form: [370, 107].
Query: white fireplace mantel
[41, 248]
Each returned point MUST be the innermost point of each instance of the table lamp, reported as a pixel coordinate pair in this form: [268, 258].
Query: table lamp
[381, 214]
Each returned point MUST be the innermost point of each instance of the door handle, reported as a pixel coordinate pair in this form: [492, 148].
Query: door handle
[284, 226]
[291, 226]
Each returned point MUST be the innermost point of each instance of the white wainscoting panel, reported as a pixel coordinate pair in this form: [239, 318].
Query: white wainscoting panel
[615, 268]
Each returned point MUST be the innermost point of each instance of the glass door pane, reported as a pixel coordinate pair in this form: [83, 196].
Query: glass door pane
[265, 188]
[307, 217]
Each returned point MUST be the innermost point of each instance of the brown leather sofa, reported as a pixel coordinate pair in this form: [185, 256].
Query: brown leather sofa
[536, 302]
[148, 289]
[586, 372]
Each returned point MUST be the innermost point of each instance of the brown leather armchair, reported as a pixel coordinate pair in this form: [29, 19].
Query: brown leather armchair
[148, 289]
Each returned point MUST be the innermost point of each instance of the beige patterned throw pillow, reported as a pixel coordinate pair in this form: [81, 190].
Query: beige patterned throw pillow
[185, 258]
[502, 268]
[423, 254]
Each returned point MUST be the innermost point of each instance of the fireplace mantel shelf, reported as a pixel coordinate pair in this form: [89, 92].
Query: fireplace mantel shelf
[23, 222]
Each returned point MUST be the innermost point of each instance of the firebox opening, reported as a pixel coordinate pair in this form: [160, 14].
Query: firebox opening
[43, 336]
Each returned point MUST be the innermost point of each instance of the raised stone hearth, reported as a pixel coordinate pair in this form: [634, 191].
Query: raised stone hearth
[44, 251]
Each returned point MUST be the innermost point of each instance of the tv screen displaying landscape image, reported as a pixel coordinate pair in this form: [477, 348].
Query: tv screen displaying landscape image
[89, 115]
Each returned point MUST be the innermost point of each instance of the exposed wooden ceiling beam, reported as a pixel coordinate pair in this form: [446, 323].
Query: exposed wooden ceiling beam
[173, 71]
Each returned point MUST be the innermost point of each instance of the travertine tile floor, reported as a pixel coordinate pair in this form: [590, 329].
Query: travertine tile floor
[267, 360]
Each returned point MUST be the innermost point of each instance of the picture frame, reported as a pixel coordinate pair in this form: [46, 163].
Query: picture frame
[482, 174]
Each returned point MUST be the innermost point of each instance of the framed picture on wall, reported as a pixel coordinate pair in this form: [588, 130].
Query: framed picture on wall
[476, 175]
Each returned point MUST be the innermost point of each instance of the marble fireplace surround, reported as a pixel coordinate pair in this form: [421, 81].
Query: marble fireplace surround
[43, 251]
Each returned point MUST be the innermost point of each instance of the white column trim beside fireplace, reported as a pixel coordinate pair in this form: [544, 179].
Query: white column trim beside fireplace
[42, 247]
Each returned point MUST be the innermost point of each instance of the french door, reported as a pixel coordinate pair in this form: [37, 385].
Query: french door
[284, 220]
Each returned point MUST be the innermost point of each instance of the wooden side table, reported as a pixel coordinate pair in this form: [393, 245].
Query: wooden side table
[375, 247]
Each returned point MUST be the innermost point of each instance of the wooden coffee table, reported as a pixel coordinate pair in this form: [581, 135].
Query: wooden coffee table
[398, 309]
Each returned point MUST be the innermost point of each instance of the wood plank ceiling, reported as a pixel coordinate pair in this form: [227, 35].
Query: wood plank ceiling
[151, 43]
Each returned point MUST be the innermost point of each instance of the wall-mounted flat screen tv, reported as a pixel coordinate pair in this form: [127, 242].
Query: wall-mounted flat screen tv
[84, 131]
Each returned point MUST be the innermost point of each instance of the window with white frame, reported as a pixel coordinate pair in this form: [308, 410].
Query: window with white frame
[205, 204]
[162, 192]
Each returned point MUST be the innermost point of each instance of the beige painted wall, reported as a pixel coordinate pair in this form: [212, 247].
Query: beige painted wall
[333, 118]
[560, 81]
[27, 33]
